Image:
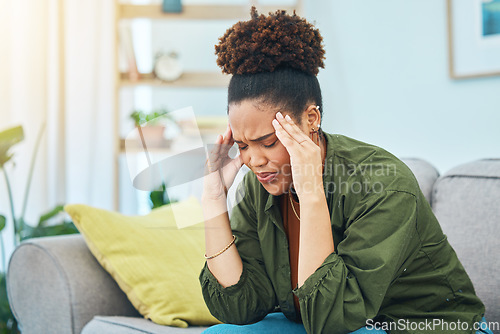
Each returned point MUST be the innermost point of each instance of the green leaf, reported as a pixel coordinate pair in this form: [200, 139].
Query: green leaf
[51, 214]
[152, 118]
[157, 197]
[46, 231]
[8, 138]
[3, 220]
[8, 323]
[20, 224]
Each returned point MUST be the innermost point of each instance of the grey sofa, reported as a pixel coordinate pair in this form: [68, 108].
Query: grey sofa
[56, 286]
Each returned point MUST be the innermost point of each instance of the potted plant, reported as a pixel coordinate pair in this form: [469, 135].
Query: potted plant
[159, 197]
[22, 230]
[152, 125]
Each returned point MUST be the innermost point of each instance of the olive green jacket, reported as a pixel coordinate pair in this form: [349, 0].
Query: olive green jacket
[392, 262]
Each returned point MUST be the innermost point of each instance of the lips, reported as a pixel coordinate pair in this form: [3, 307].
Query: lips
[266, 177]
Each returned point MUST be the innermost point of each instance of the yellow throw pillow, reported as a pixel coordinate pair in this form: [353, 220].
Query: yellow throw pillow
[156, 264]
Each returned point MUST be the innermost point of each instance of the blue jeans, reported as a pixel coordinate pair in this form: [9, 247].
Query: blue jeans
[277, 323]
[274, 323]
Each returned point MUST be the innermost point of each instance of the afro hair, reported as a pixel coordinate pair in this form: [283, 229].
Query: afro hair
[265, 43]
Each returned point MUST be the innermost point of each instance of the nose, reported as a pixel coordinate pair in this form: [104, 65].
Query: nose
[257, 160]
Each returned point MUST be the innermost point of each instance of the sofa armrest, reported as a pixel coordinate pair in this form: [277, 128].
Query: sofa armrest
[55, 285]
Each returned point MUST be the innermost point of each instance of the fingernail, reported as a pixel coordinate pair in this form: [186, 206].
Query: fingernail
[287, 117]
[275, 122]
[279, 115]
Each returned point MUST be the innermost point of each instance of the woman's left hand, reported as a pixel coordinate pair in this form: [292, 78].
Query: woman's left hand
[305, 157]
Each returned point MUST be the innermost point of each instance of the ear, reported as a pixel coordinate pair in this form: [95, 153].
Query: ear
[313, 116]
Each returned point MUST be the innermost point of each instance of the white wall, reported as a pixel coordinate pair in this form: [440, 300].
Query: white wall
[386, 82]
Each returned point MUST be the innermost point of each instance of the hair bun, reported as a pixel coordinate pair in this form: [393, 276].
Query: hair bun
[265, 43]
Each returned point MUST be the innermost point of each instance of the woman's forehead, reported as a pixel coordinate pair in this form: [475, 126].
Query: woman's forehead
[252, 132]
[255, 105]
[250, 125]
[246, 113]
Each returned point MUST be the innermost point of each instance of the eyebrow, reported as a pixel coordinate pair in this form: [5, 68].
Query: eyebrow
[258, 139]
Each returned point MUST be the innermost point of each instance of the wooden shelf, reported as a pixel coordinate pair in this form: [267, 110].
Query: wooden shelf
[165, 149]
[195, 12]
[188, 79]
[208, 129]
[169, 147]
[135, 146]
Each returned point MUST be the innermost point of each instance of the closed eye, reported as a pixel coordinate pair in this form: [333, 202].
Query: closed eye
[271, 145]
[266, 146]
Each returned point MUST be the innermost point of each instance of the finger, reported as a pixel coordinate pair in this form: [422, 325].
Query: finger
[232, 168]
[230, 134]
[215, 147]
[227, 134]
[227, 137]
[283, 136]
[291, 128]
[218, 144]
[214, 153]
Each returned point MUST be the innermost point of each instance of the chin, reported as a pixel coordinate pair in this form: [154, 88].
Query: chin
[275, 189]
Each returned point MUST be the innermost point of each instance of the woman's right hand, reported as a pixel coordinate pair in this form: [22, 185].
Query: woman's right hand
[220, 169]
[220, 172]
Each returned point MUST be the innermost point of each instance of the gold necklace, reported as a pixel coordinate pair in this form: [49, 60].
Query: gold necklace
[293, 208]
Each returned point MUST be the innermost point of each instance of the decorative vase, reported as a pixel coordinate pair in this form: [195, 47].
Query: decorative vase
[172, 6]
[153, 136]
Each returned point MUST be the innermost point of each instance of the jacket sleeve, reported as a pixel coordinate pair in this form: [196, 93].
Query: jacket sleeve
[253, 297]
[350, 285]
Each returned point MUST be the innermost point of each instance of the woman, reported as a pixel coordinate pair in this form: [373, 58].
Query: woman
[371, 252]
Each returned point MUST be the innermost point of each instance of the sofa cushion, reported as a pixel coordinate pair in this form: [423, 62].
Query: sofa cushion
[466, 201]
[425, 173]
[153, 261]
[131, 325]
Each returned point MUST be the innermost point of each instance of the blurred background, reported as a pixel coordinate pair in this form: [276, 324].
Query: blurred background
[398, 74]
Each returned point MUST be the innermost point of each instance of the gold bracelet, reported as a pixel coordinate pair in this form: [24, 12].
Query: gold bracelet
[223, 250]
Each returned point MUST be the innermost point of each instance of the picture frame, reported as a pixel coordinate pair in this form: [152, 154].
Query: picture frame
[473, 38]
